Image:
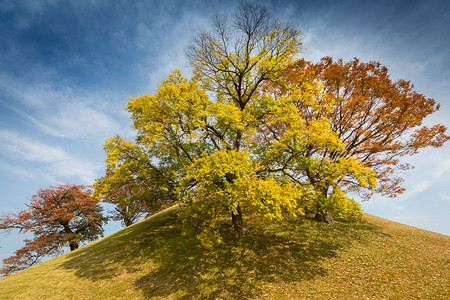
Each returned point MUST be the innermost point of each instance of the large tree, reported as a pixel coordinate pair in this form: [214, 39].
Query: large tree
[199, 138]
[59, 216]
[377, 120]
[189, 125]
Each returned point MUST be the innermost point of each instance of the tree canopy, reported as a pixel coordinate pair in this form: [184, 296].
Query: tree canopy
[59, 216]
[202, 140]
[377, 120]
[258, 133]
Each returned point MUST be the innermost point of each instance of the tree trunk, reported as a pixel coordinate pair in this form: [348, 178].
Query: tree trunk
[73, 245]
[236, 220]
[127, 221]
[327, 218]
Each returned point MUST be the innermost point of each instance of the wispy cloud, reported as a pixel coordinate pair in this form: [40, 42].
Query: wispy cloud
[445, 197]
[21, 172]
[74, 119]
[168, 44]
[51, 162]
[432, 169]
[29, 9]
[65, 111]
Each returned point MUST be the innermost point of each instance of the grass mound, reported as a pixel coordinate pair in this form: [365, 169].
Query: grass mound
[294, 259]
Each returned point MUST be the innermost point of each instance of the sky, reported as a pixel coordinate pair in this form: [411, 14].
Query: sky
[68, 68]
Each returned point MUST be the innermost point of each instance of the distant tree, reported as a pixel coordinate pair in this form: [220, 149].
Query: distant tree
[126, 209]
[132, 183]
[377, 120]
[131, 202]
[63, 215]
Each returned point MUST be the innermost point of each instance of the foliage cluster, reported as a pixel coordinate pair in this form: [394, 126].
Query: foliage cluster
[65, 215]
[377, 120]
[257, 133]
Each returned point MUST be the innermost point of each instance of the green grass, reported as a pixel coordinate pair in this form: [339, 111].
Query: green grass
[300, 258]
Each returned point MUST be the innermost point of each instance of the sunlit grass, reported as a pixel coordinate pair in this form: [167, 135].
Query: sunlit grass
[299, 258]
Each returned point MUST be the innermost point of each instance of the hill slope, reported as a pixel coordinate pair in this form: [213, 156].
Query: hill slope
[299, 258]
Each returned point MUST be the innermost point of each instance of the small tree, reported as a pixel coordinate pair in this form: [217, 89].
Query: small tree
[135, 185]
[63, 215]
[131, 202]
[377, 120]
[126, 209]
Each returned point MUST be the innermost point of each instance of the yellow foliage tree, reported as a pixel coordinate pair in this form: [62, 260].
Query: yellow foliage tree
[206, 136]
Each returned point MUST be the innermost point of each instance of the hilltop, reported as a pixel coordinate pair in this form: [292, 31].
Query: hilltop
[298, 258]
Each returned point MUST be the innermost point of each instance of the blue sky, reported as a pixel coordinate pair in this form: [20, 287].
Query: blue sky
[68, 68]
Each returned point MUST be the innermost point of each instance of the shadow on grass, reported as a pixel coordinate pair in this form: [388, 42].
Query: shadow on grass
[166, 262]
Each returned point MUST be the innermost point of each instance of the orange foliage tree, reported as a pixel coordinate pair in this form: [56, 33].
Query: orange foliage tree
[377, 119]
[63, 215]
[126, 209]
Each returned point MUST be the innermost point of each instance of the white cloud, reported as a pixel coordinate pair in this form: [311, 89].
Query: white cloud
[21, 172]
[29, 9]
[16, 146]
[377, 202]
[50, 161]
[77, 120]
[432, 169]
[431, 173]
[445, 197]
[170, 46]
[417, 188]
[28, 93]
[65, 111]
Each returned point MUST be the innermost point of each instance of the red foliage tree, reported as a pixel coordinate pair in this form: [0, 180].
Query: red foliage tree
[132, 198]
[63, 215]
[127, 209]
[377, 119]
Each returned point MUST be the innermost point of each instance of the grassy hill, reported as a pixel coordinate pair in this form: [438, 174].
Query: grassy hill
[299, 258]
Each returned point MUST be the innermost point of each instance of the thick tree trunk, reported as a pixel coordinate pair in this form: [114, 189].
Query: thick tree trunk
[73, 245]
[127, 221]
[327, 218]
[236, 220]
[236, 217]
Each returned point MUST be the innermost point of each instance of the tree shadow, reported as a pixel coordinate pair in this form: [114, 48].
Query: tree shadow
[180, 267]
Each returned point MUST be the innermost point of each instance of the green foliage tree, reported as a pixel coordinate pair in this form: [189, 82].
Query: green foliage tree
[132, 183]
